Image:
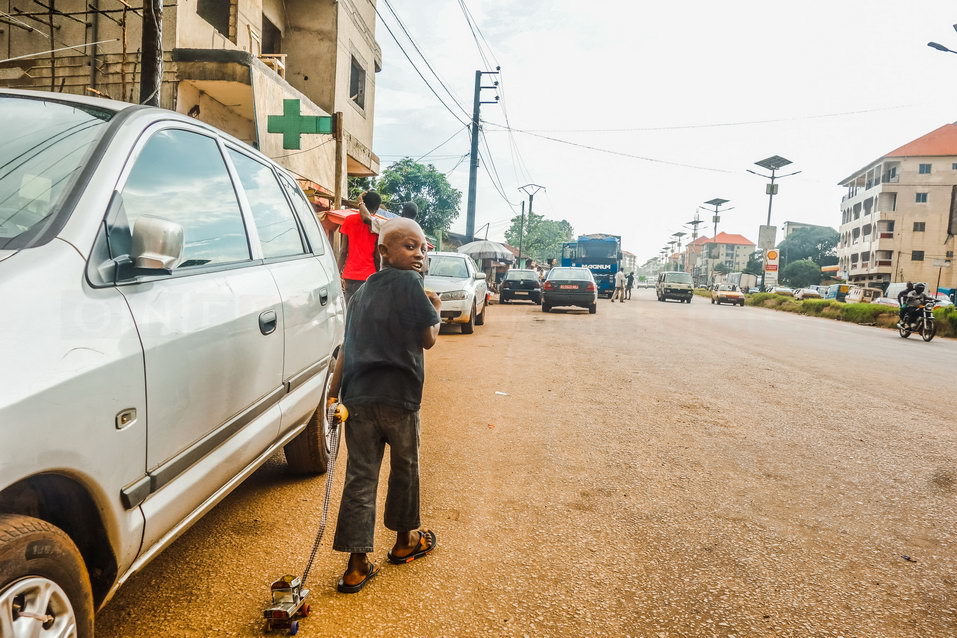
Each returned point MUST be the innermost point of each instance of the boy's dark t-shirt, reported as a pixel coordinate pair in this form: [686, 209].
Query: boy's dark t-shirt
[383, 342]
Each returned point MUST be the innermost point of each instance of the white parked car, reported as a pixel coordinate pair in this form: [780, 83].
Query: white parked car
[173, 313]
[806, 293]
[462, 289]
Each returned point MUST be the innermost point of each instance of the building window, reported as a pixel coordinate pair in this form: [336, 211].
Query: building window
[890, 226]
[949, 254]
[954, 166]
[919, 227]
[215, 12]
[357, 84]
[866, 255]
[924, 169]
[917, 255]
[921, 198]
[272, 38]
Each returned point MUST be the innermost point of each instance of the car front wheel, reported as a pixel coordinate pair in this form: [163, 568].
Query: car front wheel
[469, 328]
[44, 586]
[480, 319]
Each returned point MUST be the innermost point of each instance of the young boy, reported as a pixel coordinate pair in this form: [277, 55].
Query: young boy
[379, 377]
[357, 259]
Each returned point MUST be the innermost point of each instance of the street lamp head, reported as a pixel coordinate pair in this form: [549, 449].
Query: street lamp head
[773, 163]
[680, 233]
[717, 201]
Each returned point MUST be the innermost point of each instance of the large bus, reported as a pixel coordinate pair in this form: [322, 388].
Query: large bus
[599, 253]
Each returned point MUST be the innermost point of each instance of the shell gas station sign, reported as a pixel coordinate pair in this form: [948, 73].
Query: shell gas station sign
[771, 267]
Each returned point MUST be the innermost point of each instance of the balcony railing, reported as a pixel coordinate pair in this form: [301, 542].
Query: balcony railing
[884, 262]
[276, 62]
[885, 235]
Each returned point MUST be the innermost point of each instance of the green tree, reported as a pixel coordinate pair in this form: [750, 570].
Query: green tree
[542, 238]
[817, 244]
[755, 263]
[722, 267]
[801, 273]
[409, 181]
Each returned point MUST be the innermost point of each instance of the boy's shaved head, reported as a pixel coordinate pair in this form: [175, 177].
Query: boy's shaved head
[397, 228]
[402, 244]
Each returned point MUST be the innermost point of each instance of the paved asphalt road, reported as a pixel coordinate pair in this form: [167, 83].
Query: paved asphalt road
[657, 469]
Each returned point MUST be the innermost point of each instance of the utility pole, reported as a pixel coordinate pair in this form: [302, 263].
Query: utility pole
[473, 164]
[151, 64]
[530, 190]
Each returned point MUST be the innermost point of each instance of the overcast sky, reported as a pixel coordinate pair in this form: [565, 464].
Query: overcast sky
[845, 81]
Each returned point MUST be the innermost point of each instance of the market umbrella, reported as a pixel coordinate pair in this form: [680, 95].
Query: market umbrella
[485, 249]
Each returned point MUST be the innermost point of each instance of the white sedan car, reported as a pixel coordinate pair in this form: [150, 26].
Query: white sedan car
[462, 289]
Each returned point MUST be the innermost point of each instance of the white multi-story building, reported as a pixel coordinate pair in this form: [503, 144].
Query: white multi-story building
[895, 214]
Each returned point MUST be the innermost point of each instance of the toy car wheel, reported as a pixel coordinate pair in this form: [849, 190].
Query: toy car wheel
[294, 628]
[305, 610]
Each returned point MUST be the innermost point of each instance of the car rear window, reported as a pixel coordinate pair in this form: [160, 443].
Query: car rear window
[45, 146]
[521, 274]
[570, 274]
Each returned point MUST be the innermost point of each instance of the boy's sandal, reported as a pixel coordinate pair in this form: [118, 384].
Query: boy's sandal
[424, 535]
[342, 588]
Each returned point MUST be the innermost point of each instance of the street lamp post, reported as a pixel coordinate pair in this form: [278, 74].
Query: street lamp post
[678, 236]
[773, 164]
[530, 190]
[717, 202]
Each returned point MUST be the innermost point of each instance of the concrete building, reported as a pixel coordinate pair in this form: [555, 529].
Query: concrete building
[629, 261]
[230, 63]
[704, 253]
[894, 215]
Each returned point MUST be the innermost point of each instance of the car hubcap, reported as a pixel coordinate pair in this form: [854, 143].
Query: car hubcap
[36, 607]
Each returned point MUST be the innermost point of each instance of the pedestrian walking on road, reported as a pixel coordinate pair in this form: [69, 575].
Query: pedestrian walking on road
[629, 284]
[619, 287]
[379, 377]
[358, 258]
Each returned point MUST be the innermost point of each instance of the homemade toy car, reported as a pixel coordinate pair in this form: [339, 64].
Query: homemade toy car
[288, 605]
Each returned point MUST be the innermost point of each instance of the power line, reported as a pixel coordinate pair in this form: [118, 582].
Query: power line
[415, 68]
[425, 59]
[451, 137]
[713, 125]
[619, 153]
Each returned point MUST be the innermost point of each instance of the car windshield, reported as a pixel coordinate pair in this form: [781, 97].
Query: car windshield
[678, 278]
[599, 249]
[521, 274]
[727, 287]
[45, 146]
[570, 274]
[448, 266]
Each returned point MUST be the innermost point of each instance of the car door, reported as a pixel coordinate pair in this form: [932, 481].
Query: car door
[306, 288]
[211, 329]
[480, 286]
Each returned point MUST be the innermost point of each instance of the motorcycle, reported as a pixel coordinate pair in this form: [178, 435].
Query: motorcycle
[923, 324]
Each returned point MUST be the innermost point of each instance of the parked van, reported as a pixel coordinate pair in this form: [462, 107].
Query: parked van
[838, 291]
[860, 294]
[674, 285]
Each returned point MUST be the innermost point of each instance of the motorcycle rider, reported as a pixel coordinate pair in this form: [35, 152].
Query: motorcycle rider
[900, 301]
[913, 300]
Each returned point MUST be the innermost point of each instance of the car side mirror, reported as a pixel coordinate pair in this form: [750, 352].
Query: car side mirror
[481, 275]
[157, 245]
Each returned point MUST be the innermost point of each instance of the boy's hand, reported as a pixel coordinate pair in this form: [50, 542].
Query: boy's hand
[434, 298]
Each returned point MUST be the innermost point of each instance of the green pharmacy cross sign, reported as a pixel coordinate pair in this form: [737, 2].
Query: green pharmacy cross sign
[291, 124]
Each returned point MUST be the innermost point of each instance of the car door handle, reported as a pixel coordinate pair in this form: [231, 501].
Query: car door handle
[267, 322]
[324, 295]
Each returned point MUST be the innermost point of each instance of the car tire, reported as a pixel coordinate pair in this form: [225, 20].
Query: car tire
[503, 300]
[592, 309]
[308, 453]
[712, 301]
[469, 328]
[480, 318]
[546, 307]
[38, 556]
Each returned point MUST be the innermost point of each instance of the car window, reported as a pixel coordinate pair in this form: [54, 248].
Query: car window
[307, 215]
[278, 231]
[181, 176]
[569, 274]
[45, 145]
[521, 274]
[447, 266]
[678, 278]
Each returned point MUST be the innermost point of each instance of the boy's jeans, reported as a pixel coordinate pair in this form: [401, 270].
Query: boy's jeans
[368, 429]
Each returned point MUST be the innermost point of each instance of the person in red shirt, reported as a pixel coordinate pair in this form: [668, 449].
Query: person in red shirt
[358, 258]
